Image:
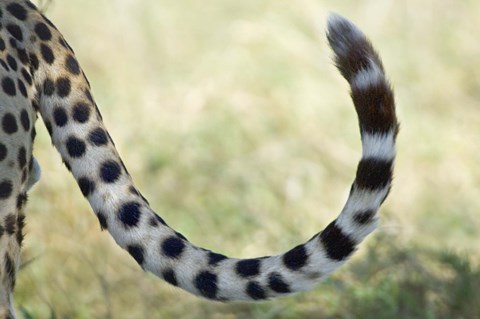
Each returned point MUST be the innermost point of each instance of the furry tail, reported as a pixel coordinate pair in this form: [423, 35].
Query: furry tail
[361, 66]
[77, 131]
[374, 102]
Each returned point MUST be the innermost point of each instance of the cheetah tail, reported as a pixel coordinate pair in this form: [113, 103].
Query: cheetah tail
[87, 149]
[361, 66]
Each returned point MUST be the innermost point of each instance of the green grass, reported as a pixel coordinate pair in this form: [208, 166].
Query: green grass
[411, 282]
[236, 126]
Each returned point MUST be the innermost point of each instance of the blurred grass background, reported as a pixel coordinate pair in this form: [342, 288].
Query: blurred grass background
[234, 123]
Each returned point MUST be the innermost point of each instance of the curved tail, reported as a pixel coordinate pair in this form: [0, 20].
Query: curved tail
[77, 131]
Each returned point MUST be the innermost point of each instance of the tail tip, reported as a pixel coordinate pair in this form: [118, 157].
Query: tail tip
[334, 19]
[338, 23]
[341, 32]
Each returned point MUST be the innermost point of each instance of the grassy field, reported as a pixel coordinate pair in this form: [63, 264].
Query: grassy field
[236, 126]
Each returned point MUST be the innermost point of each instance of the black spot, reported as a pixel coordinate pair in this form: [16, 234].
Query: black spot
[110, 171]
[296, 258]
[4, 65]
[155, 220]
[13, 43]
[255, 291]
[21, 220]
[8, 86]
[43, 31]
[24, 175]
[9, 123]
[21, 200]
[48, 87]
[10, 268]
[27, 76]
[22, 157]
[15, 31]
[25, 120]
[72, 65]
[3, 152]
[6, 188]
[135, 192]
[23, 56]
[364, 217]
[2, 45]
[75, 147]
[63, 87]
[214, 258]
[102, 219]
[34, 61]
[20, 225]
[63, 43]
[338, 245]
[277, 284]
[248, 267]
[98, 137]
[22, 88]
[373, 173]
[17, 11]
[170, 277]
[137, 252]
[10, 224]
[173, 247]
[206, 283]
[47, 54]
[86, 185]
[12, 62]
[129, 214]
[60, 116]
[81, 112]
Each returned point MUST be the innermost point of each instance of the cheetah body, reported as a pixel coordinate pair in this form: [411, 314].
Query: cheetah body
[39, 74]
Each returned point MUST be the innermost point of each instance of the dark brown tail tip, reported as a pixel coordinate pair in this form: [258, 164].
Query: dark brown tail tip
[353, 51]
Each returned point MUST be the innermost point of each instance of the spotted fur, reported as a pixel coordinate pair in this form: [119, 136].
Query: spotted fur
[39, 74]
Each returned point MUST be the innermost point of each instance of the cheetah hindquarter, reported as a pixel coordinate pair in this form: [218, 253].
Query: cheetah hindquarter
[40, 74]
